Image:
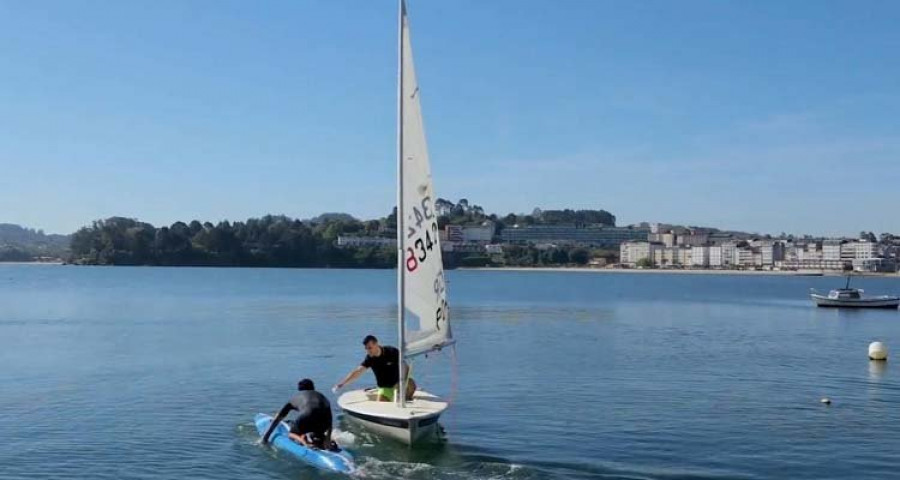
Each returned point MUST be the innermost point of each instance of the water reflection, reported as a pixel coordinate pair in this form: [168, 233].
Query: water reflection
[876, 371]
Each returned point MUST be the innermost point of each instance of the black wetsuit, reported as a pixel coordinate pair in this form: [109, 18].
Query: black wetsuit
[313, 413]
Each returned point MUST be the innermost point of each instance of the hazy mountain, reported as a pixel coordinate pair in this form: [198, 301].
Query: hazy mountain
[22, 244]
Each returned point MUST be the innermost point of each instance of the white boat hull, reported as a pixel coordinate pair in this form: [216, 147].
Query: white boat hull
[872, 302]
[417, 422]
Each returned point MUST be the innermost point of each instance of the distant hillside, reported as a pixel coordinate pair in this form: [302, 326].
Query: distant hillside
[20, 244]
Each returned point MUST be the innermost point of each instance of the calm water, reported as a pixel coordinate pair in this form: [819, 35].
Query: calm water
[156, 374]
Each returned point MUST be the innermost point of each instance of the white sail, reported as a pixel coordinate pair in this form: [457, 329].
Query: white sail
[425, 294]
[423, 321]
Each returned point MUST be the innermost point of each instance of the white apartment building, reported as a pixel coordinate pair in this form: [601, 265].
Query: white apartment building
[480, 234]
[672, 256]
[630, 253]
[811, 252]
[866, 257]
[831, 250]
[729, 253]
[771, 252]
[791, 253]
[684, 256]
[848, 251]
[859, 250]
[667, 239]
[743, 257]
[715, 256]
[767, 255]
[700, 256]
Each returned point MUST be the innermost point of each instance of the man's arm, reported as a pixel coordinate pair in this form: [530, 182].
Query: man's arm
[278, 418]
[352, 376]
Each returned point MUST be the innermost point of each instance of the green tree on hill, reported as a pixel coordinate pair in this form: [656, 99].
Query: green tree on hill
[278, 240]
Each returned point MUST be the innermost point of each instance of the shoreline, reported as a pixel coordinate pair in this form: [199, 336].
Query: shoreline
[32, 263]
[636, 271]
[611, 271]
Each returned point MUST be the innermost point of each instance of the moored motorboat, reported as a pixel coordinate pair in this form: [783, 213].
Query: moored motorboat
[853, 298]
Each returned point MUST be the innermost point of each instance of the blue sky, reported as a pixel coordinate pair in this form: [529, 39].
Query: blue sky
[763, 116]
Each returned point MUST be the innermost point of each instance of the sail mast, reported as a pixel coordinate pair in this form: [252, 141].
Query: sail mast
[401, 271]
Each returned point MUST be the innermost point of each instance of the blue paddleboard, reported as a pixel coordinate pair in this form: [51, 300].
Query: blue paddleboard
[341, 461]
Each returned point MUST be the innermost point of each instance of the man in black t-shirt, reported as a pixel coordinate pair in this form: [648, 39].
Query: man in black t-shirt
[384, 362]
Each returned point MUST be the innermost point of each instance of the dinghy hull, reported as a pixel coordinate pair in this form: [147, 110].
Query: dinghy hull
[415, 423]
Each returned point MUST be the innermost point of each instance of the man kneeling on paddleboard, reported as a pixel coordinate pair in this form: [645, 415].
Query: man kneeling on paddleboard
[384, 364]
[312, 427]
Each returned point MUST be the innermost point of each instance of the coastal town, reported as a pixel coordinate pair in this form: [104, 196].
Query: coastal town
[690, 248]
[469, 237]
[662, 246]
[649, 240]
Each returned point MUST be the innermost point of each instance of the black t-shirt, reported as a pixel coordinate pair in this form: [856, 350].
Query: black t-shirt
[385, 367]
[313, 410]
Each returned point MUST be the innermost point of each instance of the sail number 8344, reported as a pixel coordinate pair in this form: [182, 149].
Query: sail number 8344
[423, 240]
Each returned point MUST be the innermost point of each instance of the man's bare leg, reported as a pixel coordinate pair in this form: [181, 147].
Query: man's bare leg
[410, 389]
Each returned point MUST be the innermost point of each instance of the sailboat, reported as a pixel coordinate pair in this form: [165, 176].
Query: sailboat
[423, 318]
